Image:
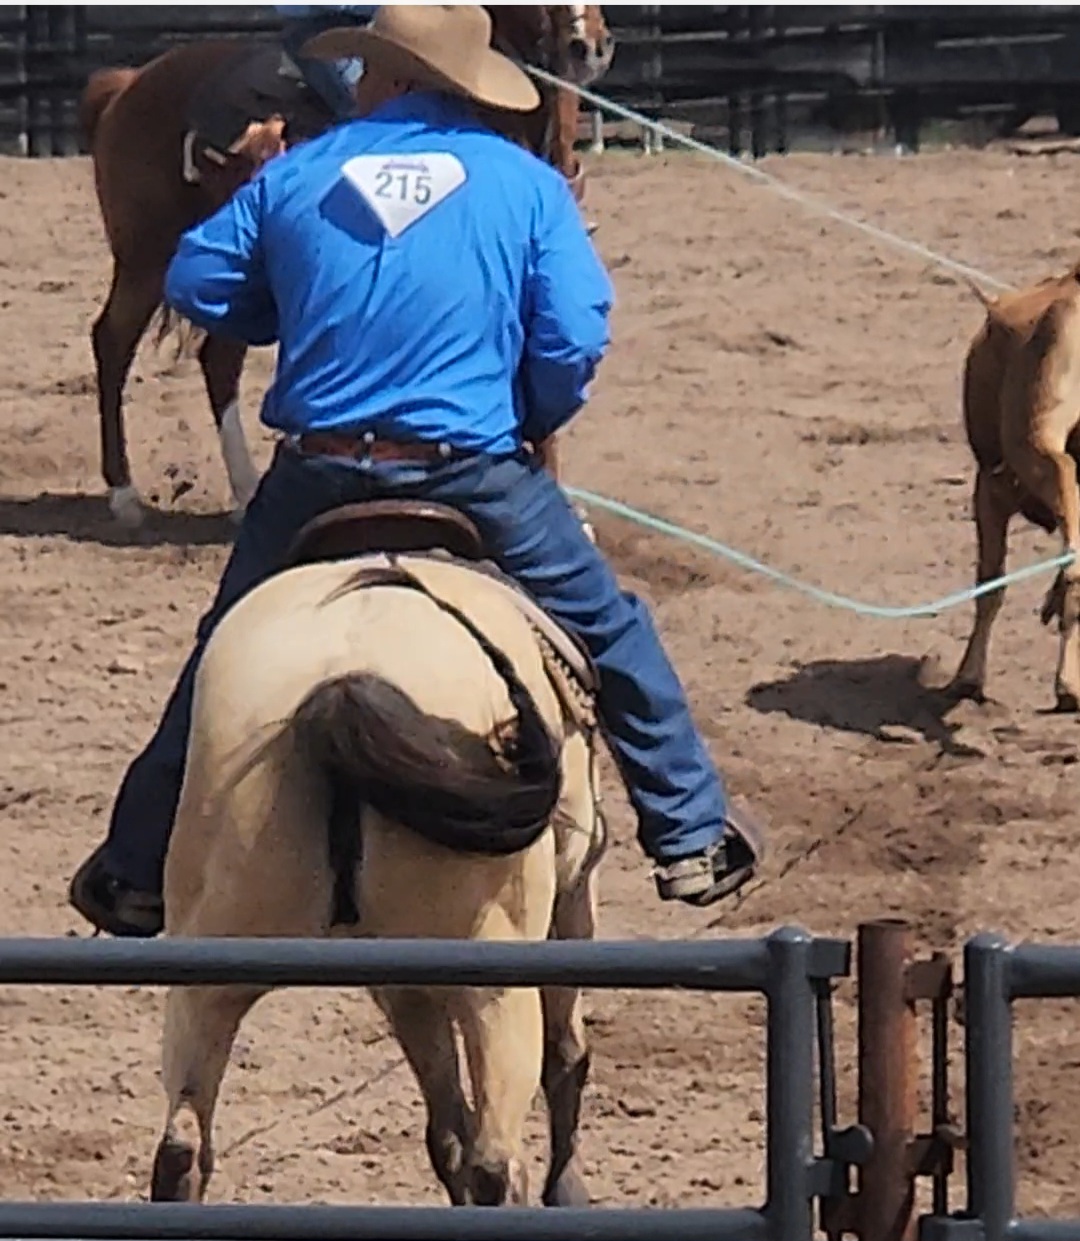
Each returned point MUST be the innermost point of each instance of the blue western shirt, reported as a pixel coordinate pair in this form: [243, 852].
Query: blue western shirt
[424, 278]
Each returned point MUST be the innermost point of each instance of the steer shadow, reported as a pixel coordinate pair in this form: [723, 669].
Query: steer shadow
[87, 519]
[884, 698]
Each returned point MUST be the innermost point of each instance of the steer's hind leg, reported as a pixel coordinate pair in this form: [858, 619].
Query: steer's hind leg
[992, 512]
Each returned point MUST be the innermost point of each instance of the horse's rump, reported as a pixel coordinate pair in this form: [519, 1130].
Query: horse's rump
[102, 87]
[400, 704]
[161, 92]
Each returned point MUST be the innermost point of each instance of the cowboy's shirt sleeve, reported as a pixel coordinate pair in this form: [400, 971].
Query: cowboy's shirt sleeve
[218, 277]
[568, 300]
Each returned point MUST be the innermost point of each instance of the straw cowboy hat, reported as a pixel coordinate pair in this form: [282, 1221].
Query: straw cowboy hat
[445, 46]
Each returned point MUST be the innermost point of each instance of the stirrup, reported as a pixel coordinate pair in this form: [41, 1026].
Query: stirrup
[718, 872]
[191, 173]
[190, 170]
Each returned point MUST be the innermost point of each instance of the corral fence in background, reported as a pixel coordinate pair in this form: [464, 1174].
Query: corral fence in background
[855, 1180]
[754, 78]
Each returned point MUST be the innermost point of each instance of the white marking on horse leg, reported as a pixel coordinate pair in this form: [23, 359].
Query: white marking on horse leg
[126, 507]
[243, 477]
[586, 524]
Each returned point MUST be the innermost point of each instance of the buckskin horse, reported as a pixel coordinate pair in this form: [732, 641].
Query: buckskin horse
[421, 765]
[155, 178]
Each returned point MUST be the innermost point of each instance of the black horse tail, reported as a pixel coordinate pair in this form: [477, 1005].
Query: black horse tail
[432, 775]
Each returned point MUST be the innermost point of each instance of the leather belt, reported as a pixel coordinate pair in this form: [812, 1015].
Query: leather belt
[369, 448]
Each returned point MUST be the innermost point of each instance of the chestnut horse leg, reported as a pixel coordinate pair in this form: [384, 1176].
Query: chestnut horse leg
[547, 453]
[222, 361]
[564, 156]
[133, 298]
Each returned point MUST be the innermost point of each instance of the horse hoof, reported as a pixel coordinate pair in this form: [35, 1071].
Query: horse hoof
[963, 691]
[126, 507]
[568, 1191]
[172, 1180]
[1067, 703]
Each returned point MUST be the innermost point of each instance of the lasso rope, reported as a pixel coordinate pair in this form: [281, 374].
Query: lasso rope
[743, 559]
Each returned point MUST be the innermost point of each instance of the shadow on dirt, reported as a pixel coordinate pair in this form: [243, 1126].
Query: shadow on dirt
[883, 698]
[86, 519]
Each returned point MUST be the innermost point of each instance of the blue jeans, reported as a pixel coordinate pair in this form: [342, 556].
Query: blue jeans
[334, 81]
[533, 534]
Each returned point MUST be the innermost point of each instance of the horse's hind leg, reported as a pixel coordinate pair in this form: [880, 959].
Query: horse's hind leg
[133, 297]
[503, 1035]
[547, 454]
[423, 1027]
[222, 362]
[200, 1026]
[566, 1054]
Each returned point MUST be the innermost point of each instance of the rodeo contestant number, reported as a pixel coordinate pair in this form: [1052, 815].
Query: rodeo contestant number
[405, 187]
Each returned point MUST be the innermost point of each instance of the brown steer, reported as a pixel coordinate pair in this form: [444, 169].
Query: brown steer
[1022, 416]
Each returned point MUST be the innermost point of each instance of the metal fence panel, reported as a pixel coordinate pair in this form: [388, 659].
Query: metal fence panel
[790, 968]
[988, 1057]
[995, 974]
[708, 965]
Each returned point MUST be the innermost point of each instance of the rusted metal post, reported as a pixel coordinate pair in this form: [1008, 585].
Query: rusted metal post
[887, 1081]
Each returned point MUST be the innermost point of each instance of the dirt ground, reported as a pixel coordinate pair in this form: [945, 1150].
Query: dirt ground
[776, 381]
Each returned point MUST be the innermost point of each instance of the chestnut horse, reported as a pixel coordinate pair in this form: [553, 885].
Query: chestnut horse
[153, 184]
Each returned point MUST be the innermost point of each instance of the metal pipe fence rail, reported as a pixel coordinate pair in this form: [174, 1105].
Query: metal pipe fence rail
[794, 971]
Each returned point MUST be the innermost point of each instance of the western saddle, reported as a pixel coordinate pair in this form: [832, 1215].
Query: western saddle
[413, 526]
[419, 530]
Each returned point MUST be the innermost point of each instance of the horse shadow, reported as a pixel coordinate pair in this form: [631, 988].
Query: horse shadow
[883, 698]
[87, 519]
